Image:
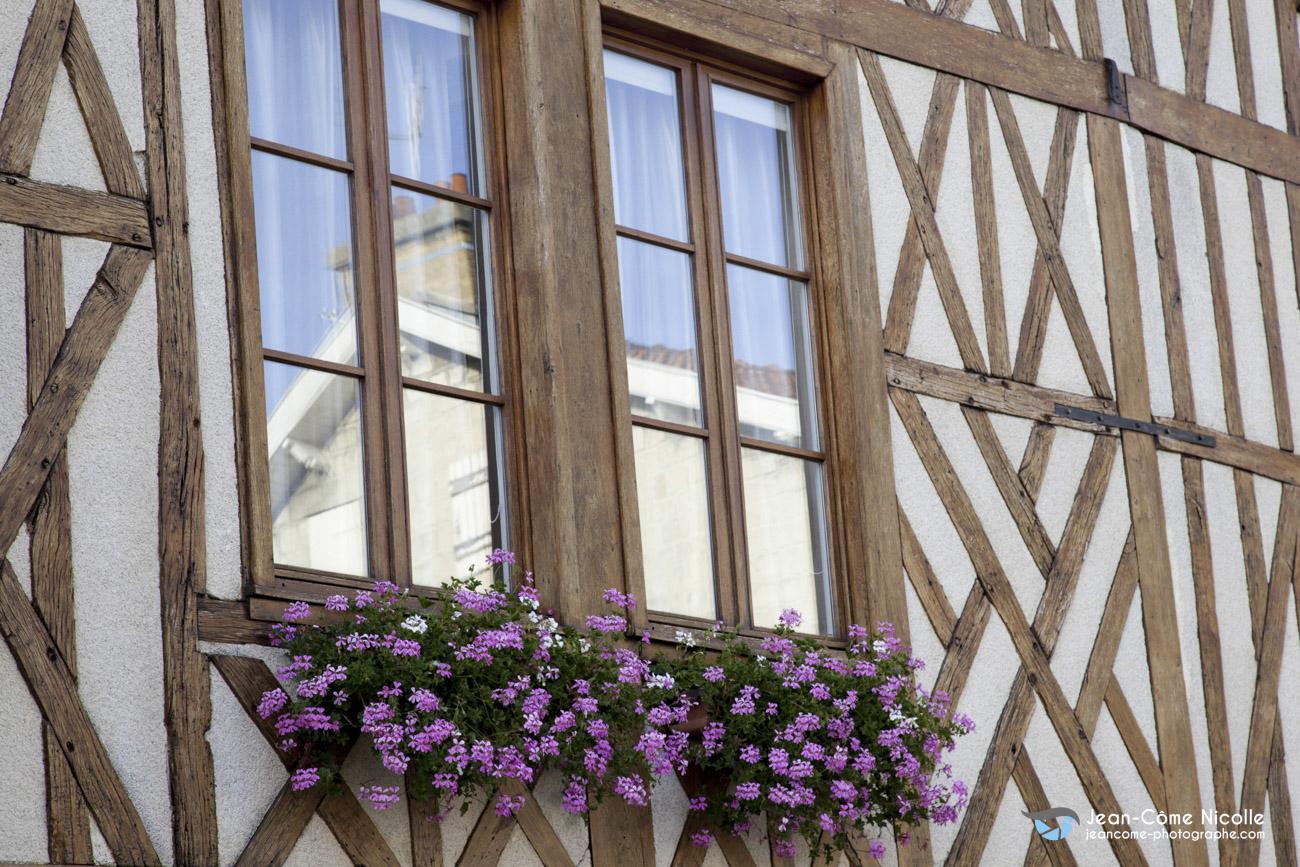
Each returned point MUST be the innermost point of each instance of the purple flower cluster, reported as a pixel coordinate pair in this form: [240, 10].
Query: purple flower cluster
[484, 688]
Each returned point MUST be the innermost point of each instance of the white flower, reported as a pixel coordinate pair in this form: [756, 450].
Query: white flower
[686, 638]
[662, 681]
[584, 645]
[534, 617]
[415, 623]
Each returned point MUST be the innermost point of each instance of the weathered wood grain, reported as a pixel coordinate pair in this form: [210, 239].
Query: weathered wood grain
[1033, 463]
[1110, 629]
[1130, 732]
[986, 229]
[1171, 300]
[1029, 646]
[923, 216]
[55, 691]
[1159, 616]
[545, 842]
[74, 211]
[103, 123]
[488, 840]
[182, 557]
[426, 831]
[1268, 304]
[859, 411]
[74, 368]
[49, 527]
[29, 91]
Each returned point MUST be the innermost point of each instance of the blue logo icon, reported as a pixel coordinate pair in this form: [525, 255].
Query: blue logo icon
[1066, 820]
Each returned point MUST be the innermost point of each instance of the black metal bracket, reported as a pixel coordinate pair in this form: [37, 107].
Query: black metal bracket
[1133, 424]
[1114, 84]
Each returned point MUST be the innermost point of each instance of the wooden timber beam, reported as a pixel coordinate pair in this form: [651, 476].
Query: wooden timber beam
[182, 557]
[29, 91]
[1008, 63]
[1164, 658]
[74, 211]
[55, 691]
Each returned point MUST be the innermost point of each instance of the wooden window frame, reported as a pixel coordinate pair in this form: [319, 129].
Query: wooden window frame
[696, 71]
[384, 458]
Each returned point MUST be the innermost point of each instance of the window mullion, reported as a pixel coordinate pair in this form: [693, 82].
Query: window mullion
[725, 442]
[372, 239]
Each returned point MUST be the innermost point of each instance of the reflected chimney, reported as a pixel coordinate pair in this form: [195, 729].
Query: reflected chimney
[403, 206]
[460, 183]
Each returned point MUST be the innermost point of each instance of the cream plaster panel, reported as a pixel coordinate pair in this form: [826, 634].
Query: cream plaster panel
[1148, 272]
[1070, 19]
[954, 212]
[1288, 694]
[248, 774]
[362, 768]
[13, 337]
[1233, 608]
[987, 687]
[1114, 34]
[1194, 282]
[668, 808]
[11, 38]
[980, 15]
[1268, 499]
[938, 537]
[890, 211]
[1130, 792]
[931, 337]
[22, 766]
[64, 154]
[1131, 669]
[317, 847]
[1013, 433]
[1037, 122]
[1096, 575]
[910, 86]
[1184, 584]
[82, 259]
[1017, 244]
[1063, 789]
[925, 643]
[114, 31]
[1081, 250]
[519, 852]
[98, 845]
[1065, 463]
[1249, 345]
[1284, 283]
[112, 461]
[216, 398]
[1221, 81]
[569, 827]
[1266, 64]
[955, 436]
[1009, 835]
[1170, 66]
[456, 828]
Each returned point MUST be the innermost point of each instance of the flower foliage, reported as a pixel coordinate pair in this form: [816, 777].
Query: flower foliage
[470, 692]
[463, 695]
[819, 741]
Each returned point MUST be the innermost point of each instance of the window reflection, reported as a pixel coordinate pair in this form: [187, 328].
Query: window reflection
[318, 509]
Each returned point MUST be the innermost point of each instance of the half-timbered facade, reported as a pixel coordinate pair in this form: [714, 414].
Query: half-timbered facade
[980, 317]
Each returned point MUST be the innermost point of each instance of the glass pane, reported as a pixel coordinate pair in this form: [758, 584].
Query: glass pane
[304, 259]
[318, 507]
[443, 294]
[785, 526]
[659, 330]
[756, 175]
[431, 94]
[645, 145]
[773, 359]
[295, 74]
[673, 499]
[453, 485]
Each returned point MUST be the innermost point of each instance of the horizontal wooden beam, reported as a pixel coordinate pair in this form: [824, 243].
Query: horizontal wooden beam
[223, 622]
[73, 211]
[938, 42]
[1009, 397]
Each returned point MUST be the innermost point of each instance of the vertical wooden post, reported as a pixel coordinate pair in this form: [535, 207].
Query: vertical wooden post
[565, 371]
[1159, 617]
[181, 553]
